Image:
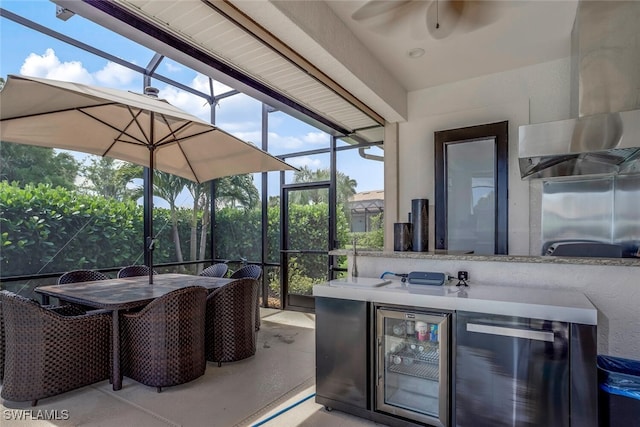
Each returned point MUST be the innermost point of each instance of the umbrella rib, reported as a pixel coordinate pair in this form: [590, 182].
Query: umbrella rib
[166, 140]
[178, 140]
[171, 136]
[195, 175]
[62, 110]
[122, 131]
[134, 118]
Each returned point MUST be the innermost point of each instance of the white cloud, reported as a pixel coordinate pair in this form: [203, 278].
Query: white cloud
[290, 143]
[253, 137]
[201, 83]
[317, 138]
[194, 104]
[242, 125]
[187, 101]
[171, 67]
[299, 162]
[251, 132]
[115, 75]
[49, 66]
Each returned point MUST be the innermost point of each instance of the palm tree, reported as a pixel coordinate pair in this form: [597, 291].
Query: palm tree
[201, 197]
[169, 187]
[237, 190]
[231, 191]
[346, 186]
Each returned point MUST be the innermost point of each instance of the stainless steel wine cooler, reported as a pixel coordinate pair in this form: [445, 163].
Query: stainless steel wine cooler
[412, 378]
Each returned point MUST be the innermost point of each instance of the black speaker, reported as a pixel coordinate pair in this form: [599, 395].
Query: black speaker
[402, 236]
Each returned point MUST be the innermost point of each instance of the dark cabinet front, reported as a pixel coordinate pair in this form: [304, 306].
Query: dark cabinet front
[511, 371]
[342, 369]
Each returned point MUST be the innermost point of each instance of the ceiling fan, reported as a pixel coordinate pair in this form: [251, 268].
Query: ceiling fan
[439, 17]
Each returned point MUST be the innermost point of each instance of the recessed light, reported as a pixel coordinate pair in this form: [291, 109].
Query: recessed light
[415, 53]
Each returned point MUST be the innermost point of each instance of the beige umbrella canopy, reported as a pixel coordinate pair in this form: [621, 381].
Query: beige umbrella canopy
[128, 126]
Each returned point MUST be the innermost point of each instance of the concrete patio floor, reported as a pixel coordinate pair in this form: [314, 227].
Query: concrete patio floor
[264, 390]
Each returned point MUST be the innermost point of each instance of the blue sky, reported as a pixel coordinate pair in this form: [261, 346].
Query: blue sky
[24, 51]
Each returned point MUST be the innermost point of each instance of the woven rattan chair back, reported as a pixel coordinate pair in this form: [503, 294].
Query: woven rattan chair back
[1, 343]
[163, 344]
[134, 270]
[215, 270]
[47, 353]
[250, 270]
[76, 276]
[255, 272]
[230, 332]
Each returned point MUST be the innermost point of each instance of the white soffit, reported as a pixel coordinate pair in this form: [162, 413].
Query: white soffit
[201, 25]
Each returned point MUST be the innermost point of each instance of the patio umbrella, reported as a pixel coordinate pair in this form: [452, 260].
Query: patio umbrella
[136, 128]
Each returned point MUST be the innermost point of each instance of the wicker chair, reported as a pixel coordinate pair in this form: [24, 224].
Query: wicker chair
[48, 353]
[134, 270]
[215, 270]
[163, 344]
[76, 276]
[64, 310]
[1, 343]
[254, 272]
[230, 332]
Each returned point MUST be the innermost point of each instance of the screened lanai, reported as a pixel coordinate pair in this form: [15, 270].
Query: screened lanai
[64, 210]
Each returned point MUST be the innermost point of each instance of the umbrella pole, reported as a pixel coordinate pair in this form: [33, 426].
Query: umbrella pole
[149, 195]
[149, 243]
[150, 240]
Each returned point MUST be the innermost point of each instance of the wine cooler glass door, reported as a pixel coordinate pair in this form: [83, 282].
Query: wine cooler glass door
[413, 365]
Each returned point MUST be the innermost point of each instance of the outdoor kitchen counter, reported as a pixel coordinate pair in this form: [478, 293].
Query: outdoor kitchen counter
[547, 304]
[443, 255]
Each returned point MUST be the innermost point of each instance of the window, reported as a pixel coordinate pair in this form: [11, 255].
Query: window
[471, 179]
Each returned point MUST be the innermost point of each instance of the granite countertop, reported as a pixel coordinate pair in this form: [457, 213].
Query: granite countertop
[547, 304]
[445, 255]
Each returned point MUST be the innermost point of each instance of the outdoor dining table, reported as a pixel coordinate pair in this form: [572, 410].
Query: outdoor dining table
[122, 294]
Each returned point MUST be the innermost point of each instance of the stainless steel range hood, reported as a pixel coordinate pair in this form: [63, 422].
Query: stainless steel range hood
[604, 136]
[600, 144]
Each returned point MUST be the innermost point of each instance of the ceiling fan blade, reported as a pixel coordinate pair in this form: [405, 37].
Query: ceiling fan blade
[375, 8]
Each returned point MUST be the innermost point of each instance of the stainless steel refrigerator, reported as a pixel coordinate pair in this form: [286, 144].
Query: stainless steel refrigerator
[412, 360]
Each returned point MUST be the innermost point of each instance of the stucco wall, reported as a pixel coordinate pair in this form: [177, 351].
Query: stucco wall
[527, 95]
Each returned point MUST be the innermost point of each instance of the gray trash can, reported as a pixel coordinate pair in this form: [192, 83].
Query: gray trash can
[618, 392]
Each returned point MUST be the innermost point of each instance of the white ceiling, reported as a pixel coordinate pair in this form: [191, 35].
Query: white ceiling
[352, 69]
[488, 37]
[368, 55]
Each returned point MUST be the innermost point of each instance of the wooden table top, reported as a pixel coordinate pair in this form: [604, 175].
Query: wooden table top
[127, 292]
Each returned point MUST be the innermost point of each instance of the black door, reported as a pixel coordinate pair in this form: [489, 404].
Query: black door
[305, 242]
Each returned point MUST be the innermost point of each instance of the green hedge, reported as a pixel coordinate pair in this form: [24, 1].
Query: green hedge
[47, 230]
[238, 235]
